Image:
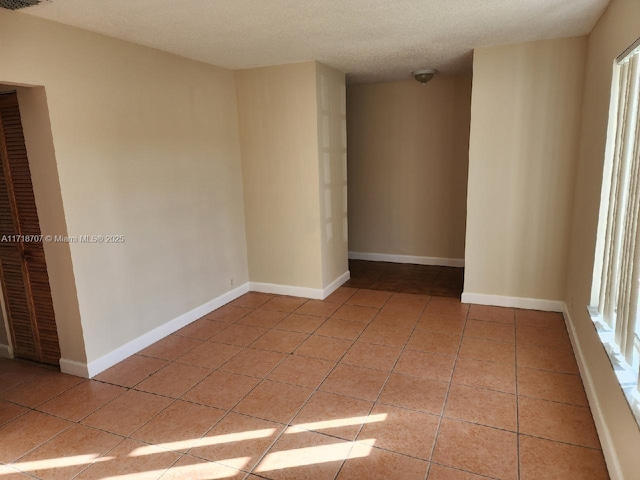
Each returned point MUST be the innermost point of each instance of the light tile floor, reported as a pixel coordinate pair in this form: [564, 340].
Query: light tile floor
[364, 385]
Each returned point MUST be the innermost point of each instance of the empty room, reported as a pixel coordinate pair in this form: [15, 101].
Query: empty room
[320, 240]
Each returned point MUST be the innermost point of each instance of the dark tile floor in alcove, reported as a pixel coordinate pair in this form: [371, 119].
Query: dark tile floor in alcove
[406, 278]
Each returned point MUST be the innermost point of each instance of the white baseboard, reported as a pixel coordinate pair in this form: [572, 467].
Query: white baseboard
[610, 455]
[6, 351]
[305, 292]
[385, 257]
[515, 302]
[290, 290]
[143, 341]
[333, 286]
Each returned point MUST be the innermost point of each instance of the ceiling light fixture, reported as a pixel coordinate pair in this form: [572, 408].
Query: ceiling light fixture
[424, 75]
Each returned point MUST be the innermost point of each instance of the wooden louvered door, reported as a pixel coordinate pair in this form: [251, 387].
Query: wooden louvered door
[23, 269]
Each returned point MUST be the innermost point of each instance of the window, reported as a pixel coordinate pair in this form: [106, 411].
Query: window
[616, 293]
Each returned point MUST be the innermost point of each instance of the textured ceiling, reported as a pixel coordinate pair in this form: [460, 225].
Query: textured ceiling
[369, 40]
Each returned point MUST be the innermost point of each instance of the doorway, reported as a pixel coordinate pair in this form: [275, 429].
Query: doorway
[23, 269]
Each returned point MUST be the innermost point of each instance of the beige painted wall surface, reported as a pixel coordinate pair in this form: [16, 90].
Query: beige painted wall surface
[525, 117]
[332, 154]
[407, 163]
[147, 147]
[278, 130]
[618, 28]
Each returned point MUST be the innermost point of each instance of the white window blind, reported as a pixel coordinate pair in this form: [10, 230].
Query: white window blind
[619, 276]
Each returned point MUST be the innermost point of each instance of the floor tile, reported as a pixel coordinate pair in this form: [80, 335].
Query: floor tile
[477, 449]
[252, 299]
[487, 350]
[62, 457]
[484, 407]
[82, 400]
[221, 390]
[546, 337]
[493, 376]
[385, 335]
[180, 426]
[501, 332]
[9, 411]
[369, 298]
[559, 387]
[15, 372]
[282, 341]
[231, 312]
[402, 431]
[300, 323]
[131, 459]
[355, 382]
[356, 313]
[210, 355]
[325, 348]
[238, 441]
[546, 460]
[193, 468]
[316, 457]
[426, 341]
[274, 401]
[173, 380]
[415, 393]
[419, 301]
[9, 473]
[302, 371]
[282, 303]
[318, 308]
[341, 295]
[26, 432]
[255, 363]
[441, 324]
[338, 328]
[334, 415]
[557, 421]
[369, 463]
[545, 358]
[538, 319]
[202, 329]
[425, 365]
[263, 318]
[240, 335]
[38, 390]
[376, 357]
[448, 307]
[127, 413]
[493, 314]
[171, 347]
[131, 371]
[438, 472]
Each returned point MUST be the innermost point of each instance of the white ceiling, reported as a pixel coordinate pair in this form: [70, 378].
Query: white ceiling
[369, 40]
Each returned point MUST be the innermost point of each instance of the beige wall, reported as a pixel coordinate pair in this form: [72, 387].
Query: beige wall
[408, 158]
[617, 29]
[147, 146]
[525, 117]
[332, 155]
[278, 111]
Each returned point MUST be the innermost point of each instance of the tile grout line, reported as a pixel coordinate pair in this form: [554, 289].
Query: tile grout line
[515, 342]
[446, 399]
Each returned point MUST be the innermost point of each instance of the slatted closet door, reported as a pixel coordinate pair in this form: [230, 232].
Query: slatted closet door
[25, 281]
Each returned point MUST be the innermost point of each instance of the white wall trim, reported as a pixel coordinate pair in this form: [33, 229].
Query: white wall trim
[516, 302]
[385, 257]
[143, 341]
[333, 286]
[611, 457]
[6, 351]
[277, 289]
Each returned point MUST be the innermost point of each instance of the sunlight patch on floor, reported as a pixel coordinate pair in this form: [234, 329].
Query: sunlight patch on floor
[205, 441]
[342, 422]
[61, 462]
